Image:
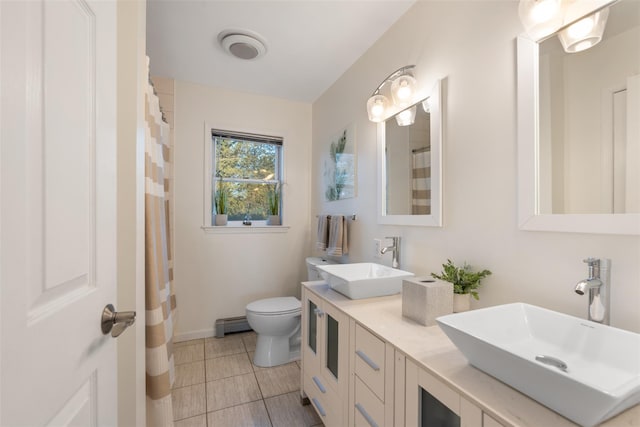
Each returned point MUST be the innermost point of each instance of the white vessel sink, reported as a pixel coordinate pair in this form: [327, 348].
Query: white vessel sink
[602, 373]
[363, 280]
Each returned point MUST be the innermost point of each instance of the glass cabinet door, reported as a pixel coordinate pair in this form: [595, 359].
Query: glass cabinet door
[333, 339]
[432, 412]
[312, 326]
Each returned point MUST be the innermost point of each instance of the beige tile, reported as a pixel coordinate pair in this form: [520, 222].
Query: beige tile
[232, 391]
[250, 414]
[228, 366]
[278, 380]
[286, 411]
[188, 401]
[189, 374]
[188, 353]
[216, 347]
[189, 342]
[249, 339]
[199, 421]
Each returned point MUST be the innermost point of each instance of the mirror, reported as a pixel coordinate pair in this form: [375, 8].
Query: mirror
[578, 133]
[409, 166]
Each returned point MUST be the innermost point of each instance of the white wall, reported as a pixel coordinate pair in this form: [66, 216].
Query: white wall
[472, 44]
[216, 275]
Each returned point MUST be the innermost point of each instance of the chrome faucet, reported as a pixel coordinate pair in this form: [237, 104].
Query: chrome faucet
[597, 285]
[395, 249]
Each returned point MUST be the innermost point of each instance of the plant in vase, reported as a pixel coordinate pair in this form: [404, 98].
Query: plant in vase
[465, 283]
[273, 204]
[220, 202]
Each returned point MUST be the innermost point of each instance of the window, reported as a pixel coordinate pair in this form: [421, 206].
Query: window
[247, 167]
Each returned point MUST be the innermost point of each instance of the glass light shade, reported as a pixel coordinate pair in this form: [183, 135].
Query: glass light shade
[426, 106]
[377, 108]
[540, 18]
[585, 33]
[406, 117]
[402, 90]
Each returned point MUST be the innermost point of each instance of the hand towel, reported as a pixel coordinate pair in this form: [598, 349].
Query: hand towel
[337, 245]
[323, 232]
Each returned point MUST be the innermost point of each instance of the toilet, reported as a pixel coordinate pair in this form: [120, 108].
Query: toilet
[277, 323]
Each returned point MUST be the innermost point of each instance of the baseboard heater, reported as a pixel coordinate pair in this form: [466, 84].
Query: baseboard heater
[231, 325]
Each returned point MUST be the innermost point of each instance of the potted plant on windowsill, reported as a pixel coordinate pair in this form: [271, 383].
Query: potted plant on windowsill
[273, 204]
[220, 201]
[465, 283]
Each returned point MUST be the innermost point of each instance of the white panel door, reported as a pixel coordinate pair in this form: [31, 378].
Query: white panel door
[57, 213]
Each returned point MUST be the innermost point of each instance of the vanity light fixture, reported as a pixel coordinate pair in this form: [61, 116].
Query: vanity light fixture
[542, 18]
[585, 33]
[403, 88]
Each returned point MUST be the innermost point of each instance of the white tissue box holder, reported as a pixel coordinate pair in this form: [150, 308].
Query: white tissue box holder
[424, 299]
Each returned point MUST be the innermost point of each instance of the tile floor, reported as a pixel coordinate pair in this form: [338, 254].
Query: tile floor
[217, 385]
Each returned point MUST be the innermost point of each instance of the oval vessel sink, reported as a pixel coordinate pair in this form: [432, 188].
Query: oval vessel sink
[364, 279]
[586, 371]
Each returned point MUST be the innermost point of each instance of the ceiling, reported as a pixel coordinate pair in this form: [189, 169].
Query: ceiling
[310, 43]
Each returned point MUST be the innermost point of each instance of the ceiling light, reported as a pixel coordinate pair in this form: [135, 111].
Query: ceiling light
[584, 33]
[242, 44]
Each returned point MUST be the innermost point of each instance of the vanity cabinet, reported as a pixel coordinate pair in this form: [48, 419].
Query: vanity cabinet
[325, 340]
[430, 402]
[372, 364]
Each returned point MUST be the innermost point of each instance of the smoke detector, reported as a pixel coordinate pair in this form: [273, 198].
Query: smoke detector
[242, 44]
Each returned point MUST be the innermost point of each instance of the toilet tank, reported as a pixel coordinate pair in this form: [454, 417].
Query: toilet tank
[312, 273]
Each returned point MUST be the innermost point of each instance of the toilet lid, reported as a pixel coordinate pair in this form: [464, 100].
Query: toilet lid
[281, 305]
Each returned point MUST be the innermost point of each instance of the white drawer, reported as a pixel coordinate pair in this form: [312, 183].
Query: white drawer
[370, 360]
[324, 400]
[369, 410]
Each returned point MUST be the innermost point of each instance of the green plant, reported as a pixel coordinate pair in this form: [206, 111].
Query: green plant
[273, 199]
[464, 280]
[220, 198]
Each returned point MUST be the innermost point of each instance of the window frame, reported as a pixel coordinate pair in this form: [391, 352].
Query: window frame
[210, 179]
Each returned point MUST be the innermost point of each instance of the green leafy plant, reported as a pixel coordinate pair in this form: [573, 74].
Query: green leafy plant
[464, 280]
[273, 199]
[220, 198]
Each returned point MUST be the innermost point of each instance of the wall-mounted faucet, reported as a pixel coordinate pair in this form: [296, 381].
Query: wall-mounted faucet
[395, 249]
[598, 286]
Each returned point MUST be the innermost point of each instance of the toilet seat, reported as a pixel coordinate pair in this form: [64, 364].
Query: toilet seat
[275, 306]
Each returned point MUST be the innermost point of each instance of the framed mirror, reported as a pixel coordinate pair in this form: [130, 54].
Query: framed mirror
[578, 132]
[410, 165]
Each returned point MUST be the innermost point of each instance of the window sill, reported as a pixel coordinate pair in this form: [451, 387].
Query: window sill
[245, 229]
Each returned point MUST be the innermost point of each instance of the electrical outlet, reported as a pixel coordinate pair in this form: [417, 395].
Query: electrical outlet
[378, 247]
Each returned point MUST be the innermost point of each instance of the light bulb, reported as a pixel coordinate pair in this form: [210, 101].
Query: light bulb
[402, 90]
[544, 10]
[377, 107]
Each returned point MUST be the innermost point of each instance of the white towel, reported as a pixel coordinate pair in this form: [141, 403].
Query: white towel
[337, 245]
[323, 232]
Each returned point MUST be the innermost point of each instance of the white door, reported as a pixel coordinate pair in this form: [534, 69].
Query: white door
[57, 213]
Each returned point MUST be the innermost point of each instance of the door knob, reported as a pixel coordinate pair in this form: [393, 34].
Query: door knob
[116, 321]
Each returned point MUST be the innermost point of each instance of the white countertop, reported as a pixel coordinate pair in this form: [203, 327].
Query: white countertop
[431, 349]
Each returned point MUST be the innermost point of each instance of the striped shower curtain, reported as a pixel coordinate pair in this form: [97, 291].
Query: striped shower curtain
[160, 295]
[421, 182]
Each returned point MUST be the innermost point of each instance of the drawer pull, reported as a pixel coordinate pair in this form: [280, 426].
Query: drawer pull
[318, 312]
[366, 415]
[319, 406]
[367, 360]
[319, 384]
